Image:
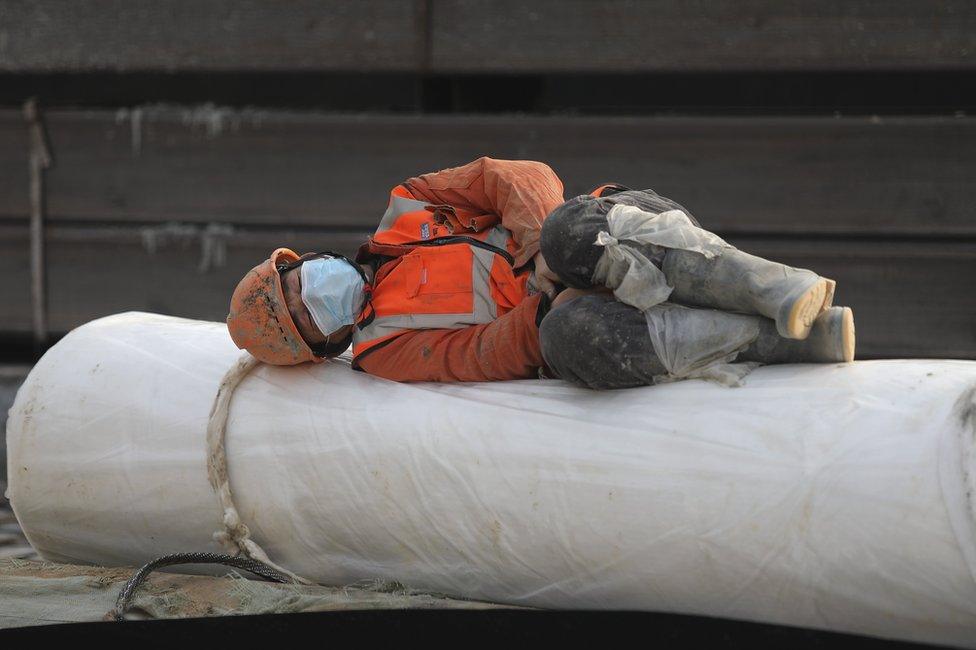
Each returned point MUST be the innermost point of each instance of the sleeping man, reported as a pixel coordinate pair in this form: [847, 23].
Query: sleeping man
[483, 272]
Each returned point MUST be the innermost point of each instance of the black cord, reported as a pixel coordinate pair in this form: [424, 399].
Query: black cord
[237, 561]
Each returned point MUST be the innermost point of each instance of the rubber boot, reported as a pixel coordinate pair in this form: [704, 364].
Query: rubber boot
[831, 339]
[739, 282]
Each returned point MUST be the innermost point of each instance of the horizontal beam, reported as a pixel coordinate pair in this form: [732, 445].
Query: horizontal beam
[175, 35]
[910, 299]
[908, 177]
[495, 36]
[723, 35]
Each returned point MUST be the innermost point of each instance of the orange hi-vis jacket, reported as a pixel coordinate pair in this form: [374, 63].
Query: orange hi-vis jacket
[449, 299]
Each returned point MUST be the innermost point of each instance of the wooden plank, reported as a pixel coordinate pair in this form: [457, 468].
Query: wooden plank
[485, 35]
[893, 176]
[173, 35]
[699, 35]
[910, 299]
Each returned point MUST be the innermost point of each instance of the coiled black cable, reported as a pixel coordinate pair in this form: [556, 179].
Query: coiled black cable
[237, 561]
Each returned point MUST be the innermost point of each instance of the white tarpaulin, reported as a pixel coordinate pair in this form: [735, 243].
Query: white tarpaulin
[828, 496]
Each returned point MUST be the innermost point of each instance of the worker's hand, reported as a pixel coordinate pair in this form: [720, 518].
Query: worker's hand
[542, 280]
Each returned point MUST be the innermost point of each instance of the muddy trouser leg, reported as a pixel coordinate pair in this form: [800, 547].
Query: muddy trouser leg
[730, 280]
[599, 342]
[593, 341]
[568, 242]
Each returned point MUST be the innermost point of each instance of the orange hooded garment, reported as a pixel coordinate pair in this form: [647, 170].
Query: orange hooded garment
[518, 194]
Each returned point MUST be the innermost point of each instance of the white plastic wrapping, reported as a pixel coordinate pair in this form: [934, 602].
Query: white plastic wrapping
[631, 275]
[829, 496]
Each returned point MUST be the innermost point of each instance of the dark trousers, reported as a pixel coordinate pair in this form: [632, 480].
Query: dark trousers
[595, 341]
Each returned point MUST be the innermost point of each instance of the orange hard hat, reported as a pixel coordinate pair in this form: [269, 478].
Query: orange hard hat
[259, 321]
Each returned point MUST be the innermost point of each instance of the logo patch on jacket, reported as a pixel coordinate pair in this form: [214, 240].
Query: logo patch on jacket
[425, 231]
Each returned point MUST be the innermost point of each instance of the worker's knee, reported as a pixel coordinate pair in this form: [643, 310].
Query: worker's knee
[597, 342]
[569, 234]
[562, 332]
[568, 240]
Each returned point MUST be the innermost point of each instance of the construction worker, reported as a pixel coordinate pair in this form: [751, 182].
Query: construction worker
[483, 272]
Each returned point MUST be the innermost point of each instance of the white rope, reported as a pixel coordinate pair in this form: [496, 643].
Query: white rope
[235, 535]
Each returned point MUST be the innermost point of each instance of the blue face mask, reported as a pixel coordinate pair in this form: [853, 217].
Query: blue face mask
[332, 290]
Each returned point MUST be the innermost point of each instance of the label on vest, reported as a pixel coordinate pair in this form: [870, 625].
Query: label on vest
[425, 231]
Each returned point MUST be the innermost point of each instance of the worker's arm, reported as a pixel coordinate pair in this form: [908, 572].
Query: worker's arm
[519, 192]
[506, 348]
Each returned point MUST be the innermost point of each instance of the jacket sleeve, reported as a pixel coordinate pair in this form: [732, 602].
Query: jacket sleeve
[519, 192]
[506, 348]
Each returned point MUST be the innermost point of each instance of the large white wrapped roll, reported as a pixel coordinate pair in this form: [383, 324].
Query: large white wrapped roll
[830, 496]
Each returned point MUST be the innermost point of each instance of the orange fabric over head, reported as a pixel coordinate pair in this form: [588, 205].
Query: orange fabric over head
[259, 321]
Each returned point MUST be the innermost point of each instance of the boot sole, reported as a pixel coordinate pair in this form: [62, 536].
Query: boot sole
[847, 334]
[804, 310]
[829, 298]
[832, 337]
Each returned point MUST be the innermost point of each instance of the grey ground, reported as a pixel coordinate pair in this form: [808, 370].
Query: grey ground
[40, 593]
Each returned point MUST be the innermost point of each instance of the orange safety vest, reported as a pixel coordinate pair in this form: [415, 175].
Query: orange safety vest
[437, 279]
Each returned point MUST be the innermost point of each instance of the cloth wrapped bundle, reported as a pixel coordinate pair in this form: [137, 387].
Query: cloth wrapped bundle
[831, 496]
